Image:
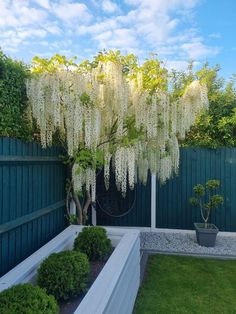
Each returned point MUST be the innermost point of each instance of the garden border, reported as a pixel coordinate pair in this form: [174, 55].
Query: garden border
[116, 287]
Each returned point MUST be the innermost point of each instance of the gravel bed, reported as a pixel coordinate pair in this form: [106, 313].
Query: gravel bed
[186, 243]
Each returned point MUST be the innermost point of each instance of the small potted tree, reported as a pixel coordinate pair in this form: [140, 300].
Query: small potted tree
[205, 198]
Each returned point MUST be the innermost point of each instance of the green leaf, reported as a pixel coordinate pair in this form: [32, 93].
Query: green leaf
[199, 190]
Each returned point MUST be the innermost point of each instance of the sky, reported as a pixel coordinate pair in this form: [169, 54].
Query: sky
[176, 30]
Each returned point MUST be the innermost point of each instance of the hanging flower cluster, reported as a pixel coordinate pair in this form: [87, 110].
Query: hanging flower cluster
[104, 109]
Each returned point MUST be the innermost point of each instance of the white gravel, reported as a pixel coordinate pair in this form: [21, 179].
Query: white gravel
[186, 243]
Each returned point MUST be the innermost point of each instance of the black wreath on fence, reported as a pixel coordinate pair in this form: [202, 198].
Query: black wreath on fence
[110, 202]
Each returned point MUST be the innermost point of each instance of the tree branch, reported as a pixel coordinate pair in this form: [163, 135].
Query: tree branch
[79, 210]
[86, 206]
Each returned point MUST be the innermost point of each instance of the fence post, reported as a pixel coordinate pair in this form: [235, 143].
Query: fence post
[153, 202]
[94, 214]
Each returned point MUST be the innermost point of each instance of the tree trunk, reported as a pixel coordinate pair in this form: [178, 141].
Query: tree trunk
[81, 212]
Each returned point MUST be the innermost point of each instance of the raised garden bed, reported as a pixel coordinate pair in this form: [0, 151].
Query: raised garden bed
[115, 288]
[69, 306]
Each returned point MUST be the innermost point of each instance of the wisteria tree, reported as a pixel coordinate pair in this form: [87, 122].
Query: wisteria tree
[114, 114]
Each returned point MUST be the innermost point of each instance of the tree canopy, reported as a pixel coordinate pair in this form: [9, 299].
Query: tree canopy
[111, 112]
[217, 126]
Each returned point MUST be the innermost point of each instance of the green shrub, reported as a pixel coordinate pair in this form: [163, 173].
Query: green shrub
[27, 299]
[14, 120]
[205, 199]
[64, 274]
[93, 241]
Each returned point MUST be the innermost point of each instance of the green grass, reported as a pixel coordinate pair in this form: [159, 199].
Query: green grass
[176, 284]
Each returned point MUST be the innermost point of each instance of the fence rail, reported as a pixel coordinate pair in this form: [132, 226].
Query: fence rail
[32, 199]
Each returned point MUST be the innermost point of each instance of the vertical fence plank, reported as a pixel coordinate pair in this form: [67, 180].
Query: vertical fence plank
[27, 186]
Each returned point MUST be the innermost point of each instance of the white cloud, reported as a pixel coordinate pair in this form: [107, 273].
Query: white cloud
[19, 13]
[12, 39]
[168, 50]
[25, 33]
[35, 19]
[109, 6]
[164, 5]
[163, 26]
[133, 2]
[104, 36]
[70, 12]
[97, 28]
[52, 28]
[152, 25]
[44, 4]
[197, 50]
[118, 39]
[151, 22]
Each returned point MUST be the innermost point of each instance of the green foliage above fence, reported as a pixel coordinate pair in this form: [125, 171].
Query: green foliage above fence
[217, 127]
[13, 108]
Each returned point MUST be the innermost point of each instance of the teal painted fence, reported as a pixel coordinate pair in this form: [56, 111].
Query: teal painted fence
[32, 199]
[197, 165]
[173, 210]
[137, 204]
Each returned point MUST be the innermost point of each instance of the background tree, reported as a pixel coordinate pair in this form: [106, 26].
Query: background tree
[14, 118]
[111, 113]
[217, 126]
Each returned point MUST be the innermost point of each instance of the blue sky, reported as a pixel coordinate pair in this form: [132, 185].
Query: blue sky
[177, 30]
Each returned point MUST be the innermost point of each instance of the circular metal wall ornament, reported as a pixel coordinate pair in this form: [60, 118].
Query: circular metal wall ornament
[111, 202]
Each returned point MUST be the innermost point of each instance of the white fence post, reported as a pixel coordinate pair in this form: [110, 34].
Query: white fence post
[72, 207]
[153, 202]
[94, 214]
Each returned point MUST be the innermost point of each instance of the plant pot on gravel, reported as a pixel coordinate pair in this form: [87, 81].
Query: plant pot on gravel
[207, 201]
[206, 236]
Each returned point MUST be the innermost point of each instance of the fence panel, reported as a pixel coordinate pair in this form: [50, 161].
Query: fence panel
[197, 165]
[173, 210]
[137, 205]
[32, 199]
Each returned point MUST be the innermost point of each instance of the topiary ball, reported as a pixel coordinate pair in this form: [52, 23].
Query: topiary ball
[93, 241]
[64, 274]
[27, 299]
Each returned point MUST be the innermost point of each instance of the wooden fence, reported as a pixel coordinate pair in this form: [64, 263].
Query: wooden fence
[32, 199]
[197, 165]
[173, 210]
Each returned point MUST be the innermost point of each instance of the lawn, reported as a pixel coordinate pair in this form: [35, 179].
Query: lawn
[176, 284]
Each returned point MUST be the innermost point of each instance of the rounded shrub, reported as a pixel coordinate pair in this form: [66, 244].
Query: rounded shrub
[27, 299]
[93, 241]
[64, 274]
